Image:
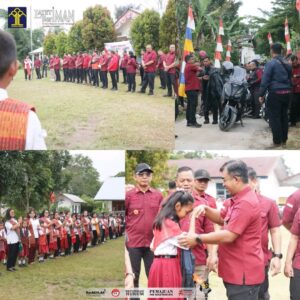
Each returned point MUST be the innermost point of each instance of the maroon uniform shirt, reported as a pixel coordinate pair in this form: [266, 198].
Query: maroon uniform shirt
[124, 61]
[131, 65]
[169, 60]
[295, 229]
[269, 219]
[66, 63]
[140, 212]
[160, 62]
[79, 62]
[150, 56]
[37, 63]
[296, 80]
[86, 61]
[72, 62]
[56, 63]
[291, 207]
[242, 262]
[192, 82]
[202, 225]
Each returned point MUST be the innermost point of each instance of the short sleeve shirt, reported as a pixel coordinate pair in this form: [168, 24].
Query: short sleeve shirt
[295, 229]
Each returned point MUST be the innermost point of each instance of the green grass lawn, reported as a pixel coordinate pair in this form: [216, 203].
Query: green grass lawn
[67, 277]
[77, 116]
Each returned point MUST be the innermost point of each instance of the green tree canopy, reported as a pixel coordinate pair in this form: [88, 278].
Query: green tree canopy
[97, 27]
[75, 43]
[156, 159]
[49, 44]
[145, 30]
[84, 178]
[168, 30]
[61, 43]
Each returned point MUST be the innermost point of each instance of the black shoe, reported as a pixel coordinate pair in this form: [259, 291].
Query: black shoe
[206, 122]
[112, 89]
[167, 95]
[128, 91]
[215, 122]
[142, 92]
[150, 94]
[196, 125]
[293, 125]
[10, 270]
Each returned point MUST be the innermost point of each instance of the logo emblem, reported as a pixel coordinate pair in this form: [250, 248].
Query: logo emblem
[17, 17]
[136, 212]
[115, 293]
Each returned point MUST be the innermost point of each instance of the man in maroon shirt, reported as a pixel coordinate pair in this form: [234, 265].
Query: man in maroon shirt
[131, 68]
[205, 256]
[170, 64]
[79, 67]
[161, 69]
[113, 68]
[37, 66]
[292, 263]
[86, 61]
[141, 207]
[270, 224]
[56, 65]
[124, 62]
[295, 105]
[192, 88]
[202, 178]
[66, 67]
[104, 66]
[241, 259]
[72, 69]
[149, 65]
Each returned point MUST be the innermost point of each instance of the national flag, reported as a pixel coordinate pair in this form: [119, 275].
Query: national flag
[221, 28]
[270, 39]
[188, 48]
[228, 52]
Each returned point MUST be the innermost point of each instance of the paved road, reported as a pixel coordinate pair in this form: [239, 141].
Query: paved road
[254, 135]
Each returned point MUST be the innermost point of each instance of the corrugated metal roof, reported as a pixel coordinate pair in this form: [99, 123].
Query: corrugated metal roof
[74, 198]
[112, 189]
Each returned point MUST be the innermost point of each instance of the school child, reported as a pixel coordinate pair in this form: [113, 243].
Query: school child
[95, 229]
[53, 240]
[24, 237]
[3, 244]
[43, 245]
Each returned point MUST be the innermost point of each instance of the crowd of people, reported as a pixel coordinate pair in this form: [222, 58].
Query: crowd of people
[93, 69]
[189, 228]
[277, 83]
[47, 236]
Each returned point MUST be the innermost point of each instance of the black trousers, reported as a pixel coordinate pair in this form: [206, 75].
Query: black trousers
[170, 83]
[241, 292]
[57, 252]
[27, 75]
[95, 238]
[142, 73]
[148, 79]
[295, 285]
[124, 75]
[110, 233]
[263, 293]
[44, 71]
[113, 76]
[136, 255]
[255, 103]
[102, 235]
[68, 251]
[192, 102]
[77, 243]
[211, 104]
[79, 75]
[13, 250]
[295, 109]
[162, 77]
[57, 75]
[66, 74]
[131, 81]
[72, 75]
[277, 106]
[38, 73]
[86, 75]
[96, 77]
[84, 245]
[117, 75]
[104, 79]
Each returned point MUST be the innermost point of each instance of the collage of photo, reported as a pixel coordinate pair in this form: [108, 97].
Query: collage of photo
[150, 150]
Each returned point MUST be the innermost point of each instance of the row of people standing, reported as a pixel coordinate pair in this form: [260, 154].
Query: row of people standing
[52, 236]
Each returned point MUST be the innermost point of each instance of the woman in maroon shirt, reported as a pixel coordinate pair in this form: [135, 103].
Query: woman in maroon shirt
[192, 88]
[131, 68]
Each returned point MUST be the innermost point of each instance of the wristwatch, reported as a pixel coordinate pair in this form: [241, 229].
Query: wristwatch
[277, 255]
[198, 240]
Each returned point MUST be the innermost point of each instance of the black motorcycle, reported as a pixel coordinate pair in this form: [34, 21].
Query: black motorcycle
[235, 100]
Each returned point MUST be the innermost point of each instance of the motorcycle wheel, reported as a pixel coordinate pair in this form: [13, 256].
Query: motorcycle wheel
[227, 118]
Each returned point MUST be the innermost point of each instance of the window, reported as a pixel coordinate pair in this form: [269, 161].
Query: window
[221, 191]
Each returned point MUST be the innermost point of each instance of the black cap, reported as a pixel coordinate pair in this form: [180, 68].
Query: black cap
[142, 167]
[202, 174]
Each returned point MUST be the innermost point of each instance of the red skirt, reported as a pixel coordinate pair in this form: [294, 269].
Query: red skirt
[25, 251]
[2, 255]
[43, 249]
[53, 246]
[64, 244]
[165, 273]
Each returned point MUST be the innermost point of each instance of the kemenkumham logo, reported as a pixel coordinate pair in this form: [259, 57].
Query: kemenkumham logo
[17, 17]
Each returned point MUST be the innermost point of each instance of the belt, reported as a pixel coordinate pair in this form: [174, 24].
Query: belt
[165, 256]
[283, 92]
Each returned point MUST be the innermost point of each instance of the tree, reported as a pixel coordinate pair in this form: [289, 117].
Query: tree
[49, 44]
[84, 178]
[37, 38]
[145, 30]
[120, 10]
[61, 43]
[120, 174]
[74, 42]
[156, 159]
[97, 27]
[168, 30]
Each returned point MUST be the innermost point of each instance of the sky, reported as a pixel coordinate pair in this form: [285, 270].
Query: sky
[249, 7]
[108, 163]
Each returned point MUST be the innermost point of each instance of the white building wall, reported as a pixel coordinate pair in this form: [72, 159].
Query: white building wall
[270, 187]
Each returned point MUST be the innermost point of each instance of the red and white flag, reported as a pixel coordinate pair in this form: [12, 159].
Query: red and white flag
[221, 28]
[270, 39]
[287, 37]
[228, 52]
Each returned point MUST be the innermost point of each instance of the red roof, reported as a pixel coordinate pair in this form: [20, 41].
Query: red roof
[262, 165]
